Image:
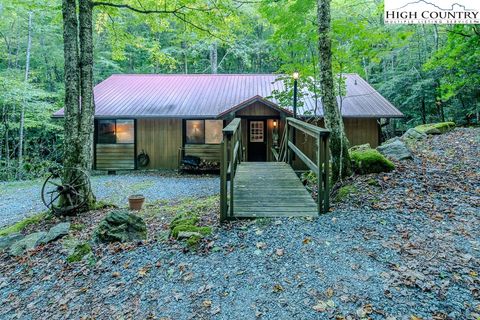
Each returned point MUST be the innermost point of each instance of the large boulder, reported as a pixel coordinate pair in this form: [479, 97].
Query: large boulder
[56, 232]
[7, 241]
[370, 161]
[395, 150]
[121, 226]
[414, 134]
[27, 243]
[436, 128]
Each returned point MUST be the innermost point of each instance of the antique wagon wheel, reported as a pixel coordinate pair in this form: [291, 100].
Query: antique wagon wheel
[64, 198]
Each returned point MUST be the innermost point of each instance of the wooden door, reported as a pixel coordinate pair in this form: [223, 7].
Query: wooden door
[257, 140]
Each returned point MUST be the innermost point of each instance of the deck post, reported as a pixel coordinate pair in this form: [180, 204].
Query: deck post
[289, 139]
[223, 179]
[326, 164]
[232, 171]
[320, 190]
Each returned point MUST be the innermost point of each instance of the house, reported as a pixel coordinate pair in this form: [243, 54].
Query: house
[170, 116]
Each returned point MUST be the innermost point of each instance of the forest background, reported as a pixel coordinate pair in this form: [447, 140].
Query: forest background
[430, 72]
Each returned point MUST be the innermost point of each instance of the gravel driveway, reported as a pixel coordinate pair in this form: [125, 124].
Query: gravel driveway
[21, 199]
[362, 264]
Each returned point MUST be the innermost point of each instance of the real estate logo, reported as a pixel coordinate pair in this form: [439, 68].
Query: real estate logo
[432, 11]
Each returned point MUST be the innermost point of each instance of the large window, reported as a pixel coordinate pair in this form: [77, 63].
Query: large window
[204, 131]
[116, 131]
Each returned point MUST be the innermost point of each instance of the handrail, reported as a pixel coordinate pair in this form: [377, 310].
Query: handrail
[231, 156]
[321, 166]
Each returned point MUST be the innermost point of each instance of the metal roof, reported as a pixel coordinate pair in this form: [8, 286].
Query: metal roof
[209, 96]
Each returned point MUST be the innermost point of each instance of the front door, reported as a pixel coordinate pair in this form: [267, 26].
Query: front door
[257, 140]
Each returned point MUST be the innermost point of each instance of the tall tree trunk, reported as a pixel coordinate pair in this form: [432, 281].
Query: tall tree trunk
[87, 114]
[78, 129]
[341, 166]
[22, 112]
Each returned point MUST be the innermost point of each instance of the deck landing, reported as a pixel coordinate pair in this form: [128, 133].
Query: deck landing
[270, 189]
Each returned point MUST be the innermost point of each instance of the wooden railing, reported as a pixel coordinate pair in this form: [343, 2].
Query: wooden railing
[321, 166]
[231, 155]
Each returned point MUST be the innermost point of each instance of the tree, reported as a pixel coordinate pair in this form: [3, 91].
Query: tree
[341, 166]
[79, 107]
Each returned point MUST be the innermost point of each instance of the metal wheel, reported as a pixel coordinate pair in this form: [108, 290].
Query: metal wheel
[63, 198]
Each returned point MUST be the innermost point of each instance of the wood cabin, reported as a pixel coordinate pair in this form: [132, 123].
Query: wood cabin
[171, 116]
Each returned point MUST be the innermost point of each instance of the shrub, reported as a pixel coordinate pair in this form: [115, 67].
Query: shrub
[370, 161]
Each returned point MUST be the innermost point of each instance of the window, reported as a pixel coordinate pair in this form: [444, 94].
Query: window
[203, 131]
[195, 131]
[256, 131]
[115, 131]
[213, 131]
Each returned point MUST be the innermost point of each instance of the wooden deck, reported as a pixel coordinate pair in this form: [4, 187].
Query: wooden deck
[270, 189]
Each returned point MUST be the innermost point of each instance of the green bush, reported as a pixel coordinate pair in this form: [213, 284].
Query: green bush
[435, 128]
[370, 161]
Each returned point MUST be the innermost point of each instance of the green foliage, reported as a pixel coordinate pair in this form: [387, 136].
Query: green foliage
[370, 161]
[21, 225]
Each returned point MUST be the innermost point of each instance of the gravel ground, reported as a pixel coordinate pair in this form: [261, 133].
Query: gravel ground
[359, 264]
[22, 199]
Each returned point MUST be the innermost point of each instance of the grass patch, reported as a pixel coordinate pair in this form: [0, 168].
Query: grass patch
[19, 226]
[344, 192]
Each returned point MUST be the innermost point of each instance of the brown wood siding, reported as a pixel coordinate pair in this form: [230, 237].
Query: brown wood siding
[257, 109]
[208, 152]
[358, 130]
[161, 139]
[115, 156]
[361, 131]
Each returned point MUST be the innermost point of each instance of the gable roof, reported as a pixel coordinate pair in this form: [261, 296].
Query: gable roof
[210, 96]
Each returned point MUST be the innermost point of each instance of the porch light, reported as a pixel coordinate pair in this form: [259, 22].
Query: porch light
[296, 75]
[274, 123]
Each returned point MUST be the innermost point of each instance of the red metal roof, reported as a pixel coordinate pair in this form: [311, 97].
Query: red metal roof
[208, 96]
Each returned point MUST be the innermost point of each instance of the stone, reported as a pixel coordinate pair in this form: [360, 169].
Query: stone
[27, 243]
[414, 134]
[187, 234]
[56, 232]
[121, 226]
[396, 150]
[370, 161]
[7, 241]
[81, 250]
[360, 147]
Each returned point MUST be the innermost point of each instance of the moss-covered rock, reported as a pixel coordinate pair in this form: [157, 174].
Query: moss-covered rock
[204, 231]
[81, 250]
[435, 128]
[184, 220]
[413, 134]
[370, 161]
[193, 241]
[121, 226]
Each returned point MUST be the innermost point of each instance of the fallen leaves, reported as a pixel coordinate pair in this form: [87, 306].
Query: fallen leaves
[277, 288]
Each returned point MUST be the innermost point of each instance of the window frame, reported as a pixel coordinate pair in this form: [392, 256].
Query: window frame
[97, 135]
[204, 132]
